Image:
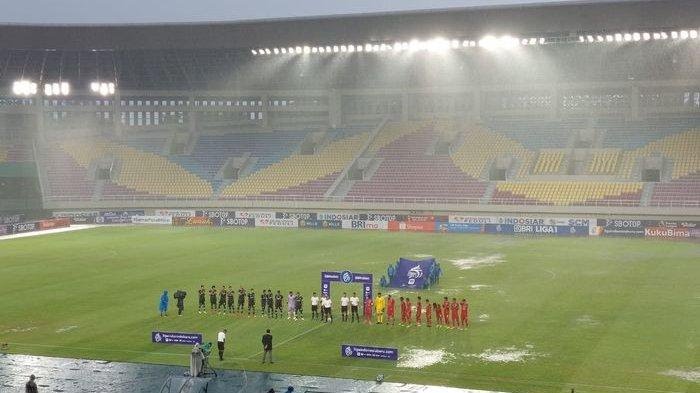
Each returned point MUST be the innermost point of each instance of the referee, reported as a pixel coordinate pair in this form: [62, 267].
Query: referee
[220, 342]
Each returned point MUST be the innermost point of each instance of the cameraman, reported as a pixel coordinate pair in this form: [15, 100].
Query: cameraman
[180, 296]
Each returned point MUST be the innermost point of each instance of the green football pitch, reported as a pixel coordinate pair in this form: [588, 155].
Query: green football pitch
[548, 314]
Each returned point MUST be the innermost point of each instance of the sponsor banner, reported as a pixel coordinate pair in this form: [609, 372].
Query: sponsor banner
[236, 222]
[666, 232]
[459, 227]
[159, 220]
[175, 213]
[460, 219]
[54, 223]
[498, 228]
[673, 224]
[11, 219]
[24, 227]
[427, 218]
[298, 216]
[5, 230]
[122, 213]
[112, 220]
[215, 213]
[331, 224]
[77, 213]
[82, 220]
[386, 217]
[365, 224]
[558, 230]
[363, 352]
[256, 215]
[418, 226]
[194, 221]
[341, 216]
[276, 222]
[311, 224]
[695, 232]
[615, 227]
[176, 338]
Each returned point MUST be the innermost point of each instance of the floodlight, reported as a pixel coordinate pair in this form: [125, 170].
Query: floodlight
[261, 51]
[290, 50]
[276, 51]
[48, 90]
[465, 43]
[599, 38]
[581, 38]
[65, 88]
[343, 48]
[368, 47]
[336, 49]
[306, 49]
[542, 41]
[609, 38]
[414, 45]
[359, 48]
[328, 49]
[524, 41]
[298, 50]
[618, 37]
[489, 42]
[382, 47]
[636, 36]
[253, 51]
[646, 36]
[111, 88]
[684, 34]
[589, 38]
[314, 50]
[95, 86]
[664, 36]
[104, 89]
[375, 47]
[628, 37]
[404, 45]
[284, 51]
[533, 41]
[674, 35]
[351, 48]
[455, 44]
[656, 36]
[693, 34]
[321, 49]
[268, 51]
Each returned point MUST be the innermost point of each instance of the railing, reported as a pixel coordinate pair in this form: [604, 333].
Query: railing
[369, 200]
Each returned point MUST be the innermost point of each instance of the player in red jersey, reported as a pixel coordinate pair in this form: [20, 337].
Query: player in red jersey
[446, 311]
[408, 311]
[390, 309]
[403, 310]
[455, 312]
[428, 313]
[419, 312]
[465, 313]
[438, 313]
[367, 312]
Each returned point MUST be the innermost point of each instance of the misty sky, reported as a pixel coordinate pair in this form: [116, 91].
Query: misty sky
[177, 11]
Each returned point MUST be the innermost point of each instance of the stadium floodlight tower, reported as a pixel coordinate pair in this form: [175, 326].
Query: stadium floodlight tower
[57, 89]
[24, 88]
[103, 89]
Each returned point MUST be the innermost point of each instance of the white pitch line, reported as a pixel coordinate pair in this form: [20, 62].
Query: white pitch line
[554, 275]
[47, 232]
[291, 339]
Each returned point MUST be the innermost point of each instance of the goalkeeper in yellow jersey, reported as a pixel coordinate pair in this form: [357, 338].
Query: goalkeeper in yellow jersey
[379, 305]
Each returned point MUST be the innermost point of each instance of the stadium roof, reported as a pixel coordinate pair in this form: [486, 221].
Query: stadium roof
[472, 22]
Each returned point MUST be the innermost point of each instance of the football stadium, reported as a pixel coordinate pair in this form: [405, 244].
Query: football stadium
[449, 196]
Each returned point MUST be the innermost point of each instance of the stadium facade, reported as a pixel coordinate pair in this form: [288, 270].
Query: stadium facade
[585, 108]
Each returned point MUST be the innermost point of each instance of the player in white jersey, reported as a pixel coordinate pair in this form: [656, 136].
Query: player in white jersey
[314, 306]
[344, 302]
[354, 304]
[327, 307]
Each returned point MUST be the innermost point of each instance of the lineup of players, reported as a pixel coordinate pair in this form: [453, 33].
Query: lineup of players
[451, 314]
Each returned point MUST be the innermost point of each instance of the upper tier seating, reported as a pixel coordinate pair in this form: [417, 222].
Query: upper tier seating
[604, 162]
[15, 152]
[482, 147]
[407, 171]
[567, 192]
[548, 162]
[141, 171]
[297, 169]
